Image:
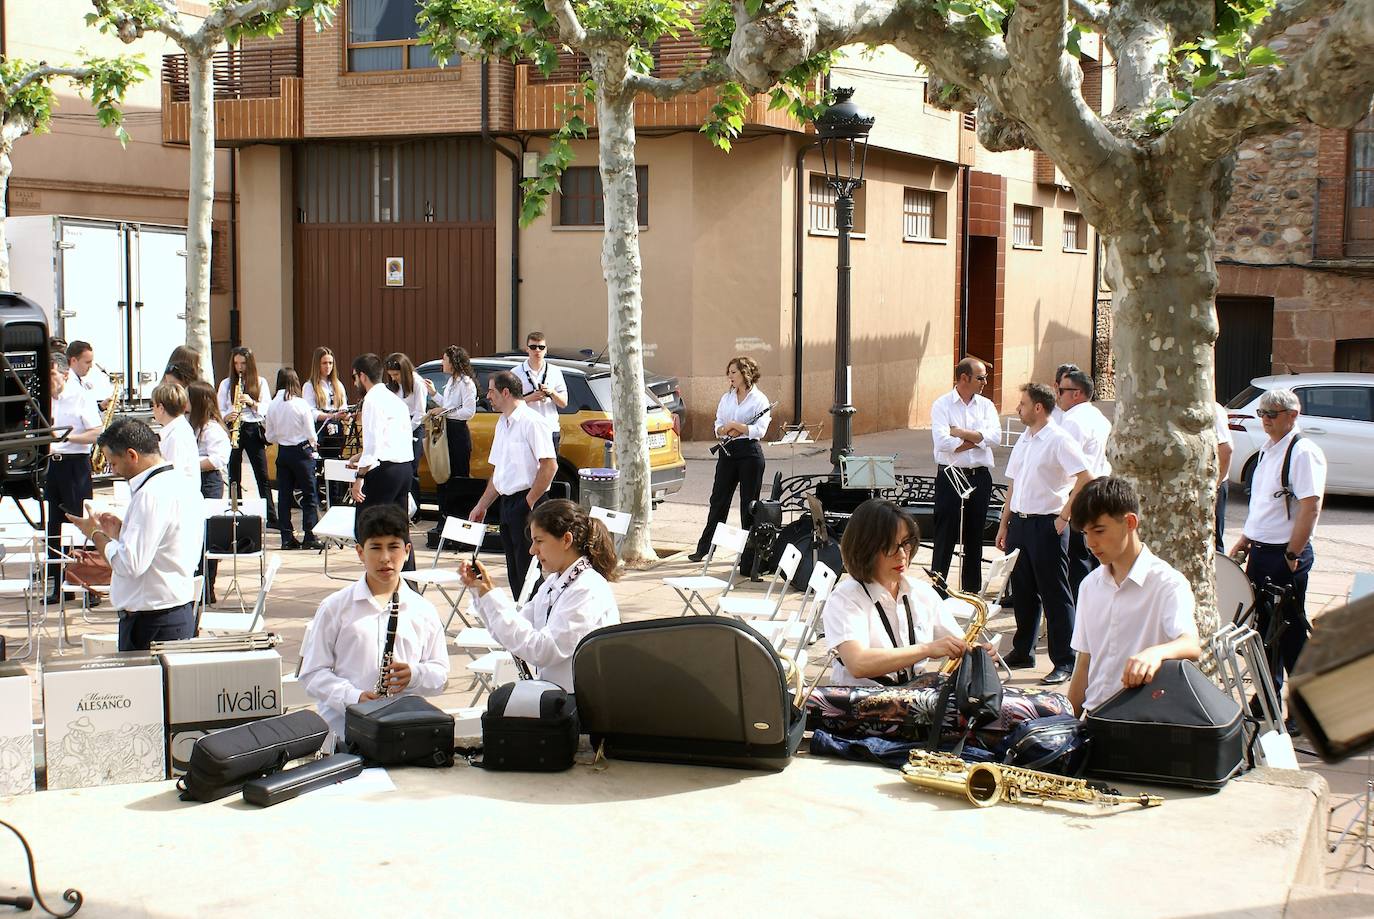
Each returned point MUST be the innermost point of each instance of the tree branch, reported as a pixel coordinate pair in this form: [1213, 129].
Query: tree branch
[570, 30]
[43, 72]
[784, 34]
[1141, 45]
[1090, 14]
[1288, 13]
[713, 74]
[1329, 84]
[999, 132]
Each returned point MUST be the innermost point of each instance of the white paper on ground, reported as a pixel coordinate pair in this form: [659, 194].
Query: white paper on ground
[369, 781]
[1278, 750]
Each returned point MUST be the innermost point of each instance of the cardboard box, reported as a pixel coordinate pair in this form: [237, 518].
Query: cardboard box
[213, 690]
[104, 720]
[16, 730]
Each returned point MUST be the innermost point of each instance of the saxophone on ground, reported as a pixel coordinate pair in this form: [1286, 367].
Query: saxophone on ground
[985, 784]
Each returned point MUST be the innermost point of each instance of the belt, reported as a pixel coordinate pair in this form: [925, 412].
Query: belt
[1269, 545]
[60, 457]
[153, 612]
[1032, 516]
[965, 468]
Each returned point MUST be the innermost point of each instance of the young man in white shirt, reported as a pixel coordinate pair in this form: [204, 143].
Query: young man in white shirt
[176, 440]
[1086, 424]
[67, 485]
[341, 660]
[965, 428]
[522, 468]
[1276, 542]
[1135, 611]
[1046, 469]
[384, 466]
[85, 372]
[542, 385]
[153, 551]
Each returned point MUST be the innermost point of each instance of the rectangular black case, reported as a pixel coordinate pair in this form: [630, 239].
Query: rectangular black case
[705, 690]
[399, 731]
[1178, 729]
[221, 762]
[240, 534]
[529, 726]
[292, 783]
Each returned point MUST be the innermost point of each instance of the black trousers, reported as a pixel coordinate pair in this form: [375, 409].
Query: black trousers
[388, 483]
[947, 525]
[1266, 563]
[1040, 582]
[331, 441]
[740, 465]
[138, 630]
[459, 465]
[1081, 562]
[515, 538]
[211, 486]
[1222, 490]
[417, 447]
[252, 442]
[66, 489]
[296, 471]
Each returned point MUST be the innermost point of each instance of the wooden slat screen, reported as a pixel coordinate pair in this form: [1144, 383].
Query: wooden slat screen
[239, 73]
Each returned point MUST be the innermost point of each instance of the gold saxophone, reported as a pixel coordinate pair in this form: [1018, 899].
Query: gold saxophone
[985, 784]
[975, 625]
[99, 464]
[238, 411]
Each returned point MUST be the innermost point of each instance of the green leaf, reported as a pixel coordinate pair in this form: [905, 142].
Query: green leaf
[1263, 57]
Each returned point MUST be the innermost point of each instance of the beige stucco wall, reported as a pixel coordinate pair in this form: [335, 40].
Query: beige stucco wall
[265, 242]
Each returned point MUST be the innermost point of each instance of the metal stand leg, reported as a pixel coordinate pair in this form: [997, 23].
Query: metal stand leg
[1363, 818]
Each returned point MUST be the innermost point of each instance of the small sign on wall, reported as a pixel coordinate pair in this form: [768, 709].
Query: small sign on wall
[395, 272]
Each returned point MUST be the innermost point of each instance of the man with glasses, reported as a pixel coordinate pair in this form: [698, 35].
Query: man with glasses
[1047, 470]
[1057, 416]
[544, 389]
[1089, 428]
[1276, 541]
[965, 428]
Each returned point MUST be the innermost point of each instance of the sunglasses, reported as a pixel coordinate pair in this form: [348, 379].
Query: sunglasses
[982, 379]
[1270, 413]
[536, 347]
[1064, 389]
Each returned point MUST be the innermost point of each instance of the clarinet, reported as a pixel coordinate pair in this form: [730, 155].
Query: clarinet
[727, 439]
[389, 652]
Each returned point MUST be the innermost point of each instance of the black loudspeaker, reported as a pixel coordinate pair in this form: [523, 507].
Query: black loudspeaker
[25, 388]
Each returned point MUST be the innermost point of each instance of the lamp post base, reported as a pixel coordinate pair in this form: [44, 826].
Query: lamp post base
[843, 443]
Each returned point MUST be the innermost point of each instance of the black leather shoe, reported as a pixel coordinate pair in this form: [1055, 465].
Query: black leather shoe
[1019, 661]
[696, 556]
[290, 544]
[313, 545]
[1058, 675]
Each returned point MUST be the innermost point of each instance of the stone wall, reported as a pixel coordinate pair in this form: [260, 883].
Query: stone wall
[1271, 215]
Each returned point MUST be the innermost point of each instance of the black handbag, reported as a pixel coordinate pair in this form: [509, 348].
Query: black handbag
[1056, 744]
[399, 731]
[529, 726]
[972, 694]
[292, 783]
[1178, 729]
[233, 534]
[223, 761]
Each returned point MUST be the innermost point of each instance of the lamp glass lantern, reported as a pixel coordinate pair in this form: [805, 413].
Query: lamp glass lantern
[843, 131]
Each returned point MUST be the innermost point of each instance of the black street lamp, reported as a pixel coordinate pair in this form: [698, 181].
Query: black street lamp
[843, 128]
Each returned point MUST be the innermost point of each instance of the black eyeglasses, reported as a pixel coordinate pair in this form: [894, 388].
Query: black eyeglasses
[982, 379]
[909, 545]
[1271, 413]
[1064, 389]
[536, 347]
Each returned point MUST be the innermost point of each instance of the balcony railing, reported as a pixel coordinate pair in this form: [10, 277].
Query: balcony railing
[258, 96]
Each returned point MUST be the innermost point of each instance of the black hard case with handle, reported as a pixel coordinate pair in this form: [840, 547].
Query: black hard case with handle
[529, 726]
[292, 783]
[706, 690]
[399, 731]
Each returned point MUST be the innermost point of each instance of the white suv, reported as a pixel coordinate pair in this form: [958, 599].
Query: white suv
[1337, 414]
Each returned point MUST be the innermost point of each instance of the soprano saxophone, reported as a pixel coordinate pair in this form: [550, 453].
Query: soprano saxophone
[985, 784]
[975, 625]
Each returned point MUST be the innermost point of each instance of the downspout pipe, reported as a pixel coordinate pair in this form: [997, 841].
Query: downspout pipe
[798, 271]
[963, 261]
[515, 168]
[235, 315]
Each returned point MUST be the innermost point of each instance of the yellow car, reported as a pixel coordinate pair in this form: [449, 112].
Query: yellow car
[587, 430]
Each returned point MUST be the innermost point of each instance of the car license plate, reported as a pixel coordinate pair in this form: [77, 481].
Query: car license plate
[658, 440]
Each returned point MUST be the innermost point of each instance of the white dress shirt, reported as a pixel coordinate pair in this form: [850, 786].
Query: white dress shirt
[290, 422]
[733, 409]
[153, 562]
[331, 402]
[1223, 426]
[520, 441]
[75, 409]
[226, 399]
[547, 375]
[96, 382]
[178, 446]
[1042, 469]
[212, 443]
[459, 398]
[1086, 424]
[1153, 605]
[977, 414]
[342, 654]
[561, 613]
[386, 429]
[415, 402]
[851, 614]
[1269, 520]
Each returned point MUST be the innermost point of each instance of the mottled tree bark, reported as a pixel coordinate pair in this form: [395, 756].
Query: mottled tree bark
[200, 204]
[6, 167]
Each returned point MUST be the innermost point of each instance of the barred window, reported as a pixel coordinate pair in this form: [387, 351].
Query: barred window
[1025, 225]
[1075, 233]
[923, 214]
[822, 206]
[580, 199]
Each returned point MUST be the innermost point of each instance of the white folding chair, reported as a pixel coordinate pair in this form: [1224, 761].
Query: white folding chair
[768, 606]
[461, 531]
[335, 530]
[693, 588]
[617, 522]
[248, 507]
[800, 626]
[532, 574]
[491, 670]
[25, 579]
[217, 623]
[336, 470]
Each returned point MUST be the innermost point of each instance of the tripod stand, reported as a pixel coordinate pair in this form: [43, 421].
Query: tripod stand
[958, 479]
[1363, 817]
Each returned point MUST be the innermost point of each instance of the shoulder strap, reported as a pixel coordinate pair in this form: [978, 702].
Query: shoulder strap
[1288, 461]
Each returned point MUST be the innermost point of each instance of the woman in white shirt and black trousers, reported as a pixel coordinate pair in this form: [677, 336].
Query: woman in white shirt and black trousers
[457, 404]
[577, 556]
[291, 426]
[742, 416]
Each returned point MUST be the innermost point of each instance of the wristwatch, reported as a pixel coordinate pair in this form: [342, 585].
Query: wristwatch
[1292, 557]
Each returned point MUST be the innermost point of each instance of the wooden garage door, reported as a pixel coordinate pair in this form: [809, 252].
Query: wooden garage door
[1245, 343]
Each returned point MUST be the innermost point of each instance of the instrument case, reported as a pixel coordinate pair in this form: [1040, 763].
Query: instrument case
[221, 762]
[1178, 729]
[233, 534]
[399, 731]
[529, 726]
[704, 690]
[292, 783]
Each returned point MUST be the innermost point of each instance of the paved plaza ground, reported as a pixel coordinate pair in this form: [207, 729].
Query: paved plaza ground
[1343, 537]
